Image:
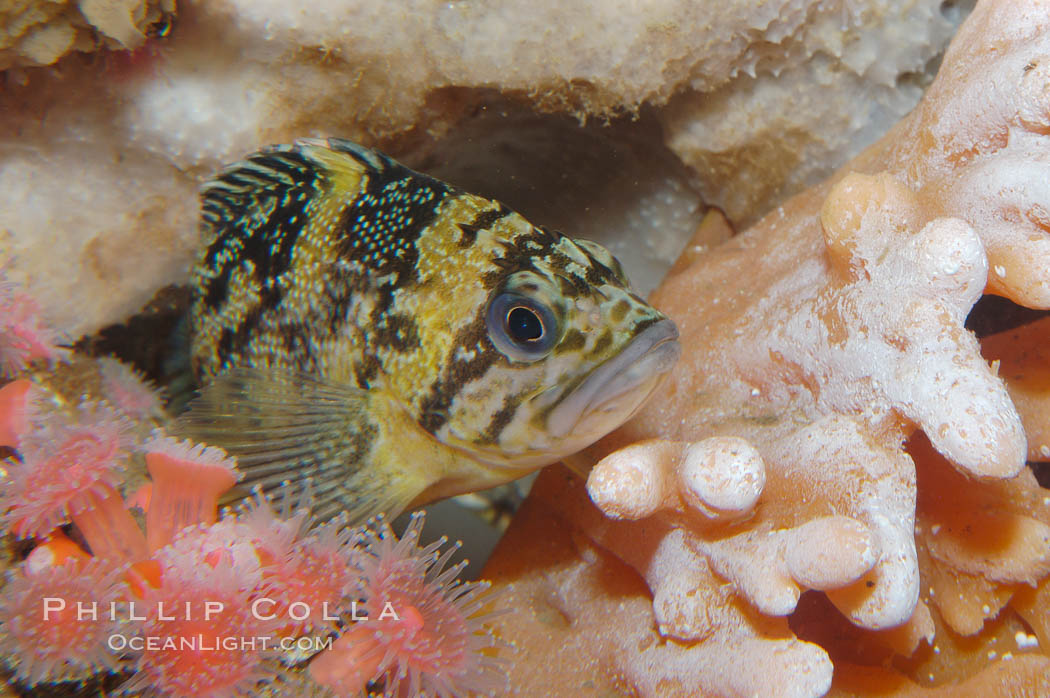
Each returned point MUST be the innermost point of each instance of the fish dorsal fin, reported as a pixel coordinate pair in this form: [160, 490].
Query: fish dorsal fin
[305, 435]
[371, 159]
[268, 173]
[246, 192]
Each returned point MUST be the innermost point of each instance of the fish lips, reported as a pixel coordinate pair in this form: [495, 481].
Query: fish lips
[619, 386]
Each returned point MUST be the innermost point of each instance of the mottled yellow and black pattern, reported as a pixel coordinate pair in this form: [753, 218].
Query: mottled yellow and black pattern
[395, 339]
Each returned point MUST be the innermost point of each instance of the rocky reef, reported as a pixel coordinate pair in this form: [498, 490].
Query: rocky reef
[834, 491]
[40, 32]
[833, 427]
[755, 99]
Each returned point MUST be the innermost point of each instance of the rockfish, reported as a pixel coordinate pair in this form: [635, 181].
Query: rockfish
[393, 340]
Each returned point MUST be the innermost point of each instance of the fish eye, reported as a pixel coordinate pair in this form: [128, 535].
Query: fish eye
[524, 325]
[521, 327]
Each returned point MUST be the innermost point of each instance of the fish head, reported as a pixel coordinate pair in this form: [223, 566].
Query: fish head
[576, 353]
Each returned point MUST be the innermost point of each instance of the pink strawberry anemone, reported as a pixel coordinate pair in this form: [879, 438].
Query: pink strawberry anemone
[69, 471]
[24, 336]
[56, 620]
[424, 631]
[309, 572]
[200, 635]
[202, 606]
[128, 391]
[17, 401]
[187, 481]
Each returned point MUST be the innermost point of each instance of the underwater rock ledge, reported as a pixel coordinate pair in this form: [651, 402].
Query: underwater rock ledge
[100, 155]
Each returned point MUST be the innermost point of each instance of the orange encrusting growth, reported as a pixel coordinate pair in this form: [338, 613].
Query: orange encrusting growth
[69, 467]
[351, 663]
[54, 552]
[832, 337]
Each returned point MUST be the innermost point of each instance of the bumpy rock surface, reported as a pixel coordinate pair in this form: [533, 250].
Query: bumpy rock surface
[39, 32]
[99, 158]
[816, 344]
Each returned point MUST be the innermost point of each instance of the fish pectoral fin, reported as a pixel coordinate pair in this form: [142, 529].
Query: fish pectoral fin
[295, 435]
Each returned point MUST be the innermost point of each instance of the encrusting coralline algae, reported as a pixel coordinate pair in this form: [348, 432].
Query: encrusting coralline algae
[826, 359]
[834, 477]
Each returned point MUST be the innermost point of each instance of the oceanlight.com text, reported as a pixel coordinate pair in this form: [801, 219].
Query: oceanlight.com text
[212, 643]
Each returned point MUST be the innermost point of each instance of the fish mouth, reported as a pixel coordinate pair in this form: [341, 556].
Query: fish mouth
[618, 387]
